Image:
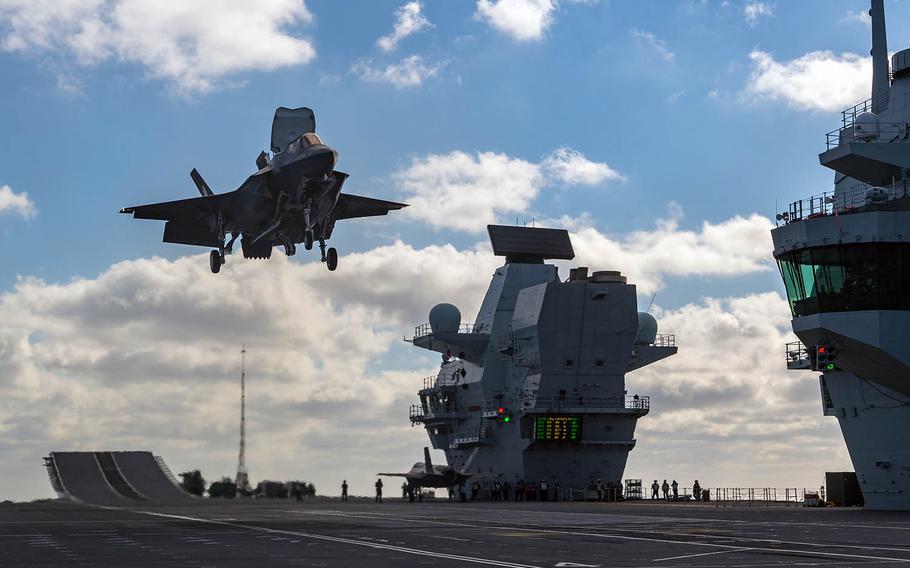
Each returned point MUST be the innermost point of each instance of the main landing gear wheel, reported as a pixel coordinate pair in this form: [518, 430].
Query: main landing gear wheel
[331, 258]
[215, 261]
[308, 240]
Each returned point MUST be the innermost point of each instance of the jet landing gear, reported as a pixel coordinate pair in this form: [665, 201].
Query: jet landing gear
[216, 259]
[330, 256]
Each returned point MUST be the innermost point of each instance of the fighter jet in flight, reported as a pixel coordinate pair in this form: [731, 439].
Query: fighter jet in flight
[294, 197]
[425, 474]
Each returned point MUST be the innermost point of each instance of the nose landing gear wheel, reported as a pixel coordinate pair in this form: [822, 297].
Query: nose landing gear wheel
[308, 240]
[215, 261]
[331, 258]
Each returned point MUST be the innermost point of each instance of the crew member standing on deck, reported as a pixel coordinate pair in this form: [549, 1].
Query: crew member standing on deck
[666, 489]
[655, 489]
[344, 490]
[696, 491]
[675, 487]
[379, 490]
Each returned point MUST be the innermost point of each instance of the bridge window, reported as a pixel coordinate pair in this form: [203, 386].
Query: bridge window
[847, 278]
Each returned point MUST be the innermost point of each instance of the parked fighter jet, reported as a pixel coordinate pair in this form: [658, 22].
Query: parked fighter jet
[425, 474]
[294, 197]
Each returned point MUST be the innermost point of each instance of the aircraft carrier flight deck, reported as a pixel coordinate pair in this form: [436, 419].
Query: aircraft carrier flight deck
[360, 533]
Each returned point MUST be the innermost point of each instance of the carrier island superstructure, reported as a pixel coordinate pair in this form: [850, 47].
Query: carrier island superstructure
[845, 261]
[534, 389]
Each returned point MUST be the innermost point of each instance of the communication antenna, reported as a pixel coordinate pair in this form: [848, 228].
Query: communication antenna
[659, 286]
[242, 480]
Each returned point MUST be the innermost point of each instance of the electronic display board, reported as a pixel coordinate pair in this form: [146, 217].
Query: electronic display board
[557, 428]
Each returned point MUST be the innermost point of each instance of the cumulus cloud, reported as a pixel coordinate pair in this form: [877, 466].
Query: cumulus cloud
[16, 203]
[736, 246]
[658, 45]
[145, 355]
[571, 167]
[860, 16]
[194, 47]
[409, 21]
[522, 20]
[819, 80]
[754, 11]
[727, 394]
[465, 192]
[411, 71]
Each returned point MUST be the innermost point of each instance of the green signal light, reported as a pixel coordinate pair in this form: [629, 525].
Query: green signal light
[507, 419]
[829, 367]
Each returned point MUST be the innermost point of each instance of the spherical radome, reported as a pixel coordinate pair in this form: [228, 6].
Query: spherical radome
[647, 329]
[445, 318]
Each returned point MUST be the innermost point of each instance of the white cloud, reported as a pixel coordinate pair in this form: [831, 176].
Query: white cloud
[657, 44]
[861, 16]
[754, 11]
[409, 21]
[571, 167]
[523, 20]
[672, 99]
[726, 393]
[736, 246]
[194, 47]
[16, 203]
[458, 191]
[411, 71]
[146, 355]
[819, 80]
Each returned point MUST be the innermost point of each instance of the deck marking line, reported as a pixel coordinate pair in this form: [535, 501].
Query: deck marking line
[638, 538]
[415, 551]
[702, 554]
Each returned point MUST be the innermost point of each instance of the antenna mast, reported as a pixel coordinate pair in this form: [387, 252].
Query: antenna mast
[242, 480]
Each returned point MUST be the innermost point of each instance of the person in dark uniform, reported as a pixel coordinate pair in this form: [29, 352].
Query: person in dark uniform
[696, 491]
[379, 490]
[675, 487]
[655, 489]
[666, 489]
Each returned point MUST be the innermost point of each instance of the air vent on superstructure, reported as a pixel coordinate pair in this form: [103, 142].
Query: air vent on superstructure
[900, 65]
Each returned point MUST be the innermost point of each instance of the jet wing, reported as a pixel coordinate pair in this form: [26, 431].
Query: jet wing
[354, 206]
[395, 474]
[182, 209]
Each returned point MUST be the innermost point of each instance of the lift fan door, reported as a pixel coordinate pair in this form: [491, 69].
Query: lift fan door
[289, 124]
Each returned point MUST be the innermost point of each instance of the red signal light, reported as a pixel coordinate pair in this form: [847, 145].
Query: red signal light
[501, 410]
[821, 349]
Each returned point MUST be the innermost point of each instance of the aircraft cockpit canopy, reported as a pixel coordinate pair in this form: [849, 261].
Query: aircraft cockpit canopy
[311, 138]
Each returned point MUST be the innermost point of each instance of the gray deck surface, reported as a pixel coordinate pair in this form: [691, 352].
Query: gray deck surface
[84, 480]
[145, 475]
[326, 532]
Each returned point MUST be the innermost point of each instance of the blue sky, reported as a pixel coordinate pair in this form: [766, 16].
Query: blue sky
[589, 83]
[705, 111]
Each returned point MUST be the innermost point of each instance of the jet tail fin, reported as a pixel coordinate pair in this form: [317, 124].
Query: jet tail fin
[204, 189]
[427, 463]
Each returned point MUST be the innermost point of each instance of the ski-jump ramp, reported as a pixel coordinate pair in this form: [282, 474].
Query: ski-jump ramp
[112, 478]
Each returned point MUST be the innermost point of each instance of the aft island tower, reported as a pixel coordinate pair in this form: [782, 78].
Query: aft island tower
[534, 389]
[845, 261]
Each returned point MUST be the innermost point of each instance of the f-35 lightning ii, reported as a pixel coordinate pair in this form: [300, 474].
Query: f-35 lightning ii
[294, 197]
[425, 474]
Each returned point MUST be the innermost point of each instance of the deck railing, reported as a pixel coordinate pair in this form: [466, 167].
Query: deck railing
[835, 203]
[425, 329]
